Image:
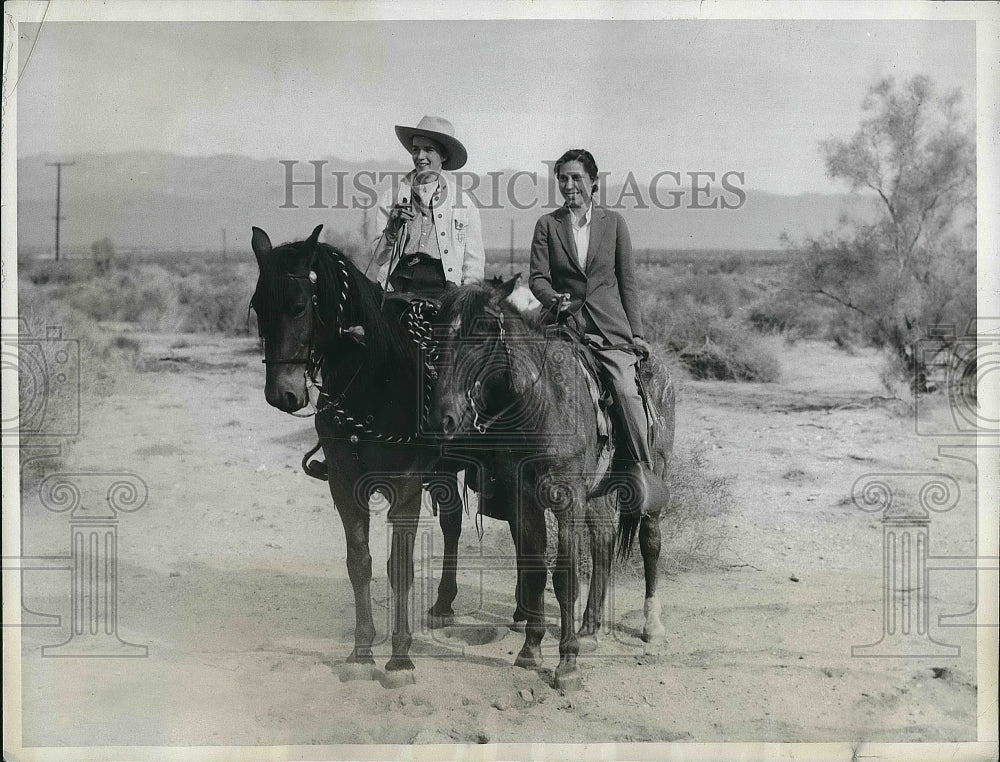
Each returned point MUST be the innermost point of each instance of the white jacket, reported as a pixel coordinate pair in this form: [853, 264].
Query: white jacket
[461, 247]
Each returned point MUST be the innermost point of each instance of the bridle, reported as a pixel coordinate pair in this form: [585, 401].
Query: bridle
[481, 420]
[311, 360]
[414, 319]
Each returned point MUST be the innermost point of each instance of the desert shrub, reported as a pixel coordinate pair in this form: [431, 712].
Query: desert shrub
[191, 294]
[104, 361]
[733, 264]
[144, 295]
[692, 526]
[794, 315]
[709, 290]
[708, 344]
[46, 272]
[213, 305]
[774, 314]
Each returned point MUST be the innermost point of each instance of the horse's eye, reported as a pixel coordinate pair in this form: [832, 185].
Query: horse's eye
[298, 309]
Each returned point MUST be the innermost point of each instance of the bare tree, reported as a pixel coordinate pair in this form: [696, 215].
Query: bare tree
[913, 263]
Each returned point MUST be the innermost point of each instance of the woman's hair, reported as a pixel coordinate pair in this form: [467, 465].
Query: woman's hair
[585, 157]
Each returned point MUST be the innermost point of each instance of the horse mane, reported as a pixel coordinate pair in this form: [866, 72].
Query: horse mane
[384, 345]
[464, 304]
[469, 303]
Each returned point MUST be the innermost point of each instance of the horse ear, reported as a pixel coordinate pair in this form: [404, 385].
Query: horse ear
[314, 238]
[261, 245]
[508, 286]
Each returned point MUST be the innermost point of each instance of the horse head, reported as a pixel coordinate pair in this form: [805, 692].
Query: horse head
[316, 312]
[286, 319]
[481, 372]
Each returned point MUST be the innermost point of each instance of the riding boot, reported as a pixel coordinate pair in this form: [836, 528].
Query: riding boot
[632, 463]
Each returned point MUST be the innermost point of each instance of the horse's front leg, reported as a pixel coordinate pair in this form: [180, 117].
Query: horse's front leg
[602, 543]
[403, 516]
[449, 503]
[359, 567]
[528, 527]
[649, 546]
[566, 582]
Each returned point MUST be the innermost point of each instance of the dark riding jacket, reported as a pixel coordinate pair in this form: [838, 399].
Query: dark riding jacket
[604, 296]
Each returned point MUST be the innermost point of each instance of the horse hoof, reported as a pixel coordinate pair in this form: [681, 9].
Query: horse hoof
[439, 621]
[527, 660]
[399, 663]
[571, 681]
[396, 676]
[653, 634]
[588, 643]
[653, 630]
[351, 671]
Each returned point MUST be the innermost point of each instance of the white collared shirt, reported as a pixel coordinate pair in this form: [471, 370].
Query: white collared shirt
[581, 234]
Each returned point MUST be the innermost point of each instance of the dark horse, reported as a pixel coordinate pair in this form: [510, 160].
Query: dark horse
[523, 395]
[320, 318]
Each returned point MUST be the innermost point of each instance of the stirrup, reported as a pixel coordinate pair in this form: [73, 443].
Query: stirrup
[317, 469]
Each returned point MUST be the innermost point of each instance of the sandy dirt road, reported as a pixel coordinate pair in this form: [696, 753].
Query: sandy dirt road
[233, 575]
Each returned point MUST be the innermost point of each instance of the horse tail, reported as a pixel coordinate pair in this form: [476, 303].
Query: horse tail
[629, 517]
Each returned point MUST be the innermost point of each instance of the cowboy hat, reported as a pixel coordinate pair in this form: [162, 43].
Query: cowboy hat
[440, 131]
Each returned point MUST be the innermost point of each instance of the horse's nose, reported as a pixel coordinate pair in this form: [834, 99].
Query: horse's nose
[290, 402]
[285, 401]
[449, 426]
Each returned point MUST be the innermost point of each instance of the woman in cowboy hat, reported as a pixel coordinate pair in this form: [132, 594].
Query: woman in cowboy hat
[430, 236]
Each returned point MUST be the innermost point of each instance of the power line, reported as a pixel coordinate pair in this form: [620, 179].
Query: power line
[59, 165]
[512, 246]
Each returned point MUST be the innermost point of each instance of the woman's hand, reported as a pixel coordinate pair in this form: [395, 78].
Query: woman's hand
[643, 346]
[399, 215]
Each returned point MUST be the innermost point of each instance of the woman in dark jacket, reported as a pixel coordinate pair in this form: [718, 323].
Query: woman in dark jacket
[582, 270]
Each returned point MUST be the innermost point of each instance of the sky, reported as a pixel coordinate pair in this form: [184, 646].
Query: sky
[643, 96]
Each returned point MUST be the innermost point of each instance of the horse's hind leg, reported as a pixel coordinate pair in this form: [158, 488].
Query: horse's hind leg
[602, 542]
[359, 568]
[649, 546]
[404, 515]
[441, 614]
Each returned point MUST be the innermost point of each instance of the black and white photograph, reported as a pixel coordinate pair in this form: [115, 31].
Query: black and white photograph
[429, 380]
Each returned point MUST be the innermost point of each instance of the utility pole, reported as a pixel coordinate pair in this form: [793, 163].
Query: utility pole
[512, 247]
[223, 244]
[59, 165]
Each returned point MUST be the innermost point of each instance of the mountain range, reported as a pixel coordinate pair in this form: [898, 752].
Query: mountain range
[161, 201]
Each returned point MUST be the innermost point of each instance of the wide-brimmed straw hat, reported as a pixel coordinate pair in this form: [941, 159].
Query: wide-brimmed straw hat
[439, 130]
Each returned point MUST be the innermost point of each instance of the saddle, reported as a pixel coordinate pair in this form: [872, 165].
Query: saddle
[585, 353]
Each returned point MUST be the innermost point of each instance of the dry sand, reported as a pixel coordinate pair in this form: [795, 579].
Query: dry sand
[233, 574]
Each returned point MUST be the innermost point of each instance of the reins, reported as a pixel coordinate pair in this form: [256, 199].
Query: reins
[310, 361]
[414, 320]
[480, 420]
[490, 420]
